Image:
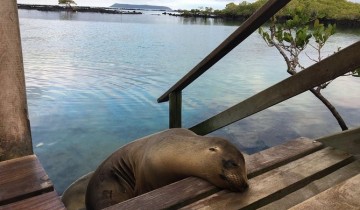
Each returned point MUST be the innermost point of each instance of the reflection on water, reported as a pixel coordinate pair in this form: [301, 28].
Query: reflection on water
[93, 80]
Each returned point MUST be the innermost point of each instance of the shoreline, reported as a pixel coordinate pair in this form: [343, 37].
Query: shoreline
[352, 23]
[338, 22]
[55, 8]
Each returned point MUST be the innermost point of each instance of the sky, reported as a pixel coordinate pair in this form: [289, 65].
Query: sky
[173, 4]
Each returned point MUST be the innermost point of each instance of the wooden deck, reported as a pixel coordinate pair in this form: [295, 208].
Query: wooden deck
[298, 174]
[24, 184]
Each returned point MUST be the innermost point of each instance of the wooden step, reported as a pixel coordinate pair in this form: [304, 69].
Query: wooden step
[191, 189]
[47, 201]
[22, 178]
[278, 182]
[345, 195]
[315, 187]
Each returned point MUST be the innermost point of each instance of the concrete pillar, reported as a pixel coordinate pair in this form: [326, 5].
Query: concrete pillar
[15, 135]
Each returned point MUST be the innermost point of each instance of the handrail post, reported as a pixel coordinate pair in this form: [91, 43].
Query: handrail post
[15, 136]
[175, 109]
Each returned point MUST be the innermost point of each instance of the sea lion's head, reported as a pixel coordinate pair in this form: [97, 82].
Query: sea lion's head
[227, 166]
[211, 158]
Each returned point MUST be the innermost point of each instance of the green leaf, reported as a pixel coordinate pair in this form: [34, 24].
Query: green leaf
[279, 36]
[261, 31]
[302, 37]
[288, 37]
[356, 73]
[265, 35]
[316, 23]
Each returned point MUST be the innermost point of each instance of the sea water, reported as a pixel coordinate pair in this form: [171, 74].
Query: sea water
[93, 81]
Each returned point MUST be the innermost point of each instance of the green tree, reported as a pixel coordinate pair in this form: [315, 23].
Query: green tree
[195, 12]
[328, 9]
[207, 11]
[291, 38]
[231, 10]
[68, 3]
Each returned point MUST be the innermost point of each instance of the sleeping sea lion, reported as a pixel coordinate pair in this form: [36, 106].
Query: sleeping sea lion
[162, 158]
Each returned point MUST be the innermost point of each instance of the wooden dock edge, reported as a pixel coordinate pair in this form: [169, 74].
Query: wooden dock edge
[46, 201]
[334, 198]
[348, 141]
[24, 181]
[315, 187]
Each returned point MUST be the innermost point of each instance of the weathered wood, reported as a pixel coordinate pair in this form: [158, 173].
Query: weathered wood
[334, 66]
[278, 182]
[15, 138]
[175, 110]
[342, 196]
[170, 196]
[190, 189]
[279, 155]
[22, 178]
[47, 201]
[245, 30]
[348, 141]
[315, 187]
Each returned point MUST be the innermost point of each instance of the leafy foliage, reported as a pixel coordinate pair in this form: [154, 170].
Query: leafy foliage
[356, 72]
[242, 9]
[67, 2]
[291, 37]
[202, 11]
[322, 33]
[329, 9]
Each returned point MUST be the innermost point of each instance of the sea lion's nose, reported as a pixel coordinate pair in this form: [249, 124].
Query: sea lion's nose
[244, 187]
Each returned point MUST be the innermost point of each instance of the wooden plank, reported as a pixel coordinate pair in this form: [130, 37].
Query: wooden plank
[246, 29]
[190, 189]
[175, 110]
[315, 187]
[278, 182]
[342, 196]
[279, 155]
[348, 141]
[22, 178]
[169, 196]
[334, 66]
[47, 201]
[15, 137]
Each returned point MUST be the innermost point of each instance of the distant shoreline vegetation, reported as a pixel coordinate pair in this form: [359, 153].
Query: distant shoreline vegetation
[341, 12]
[107, 10]
[141, 7]
[113, 9]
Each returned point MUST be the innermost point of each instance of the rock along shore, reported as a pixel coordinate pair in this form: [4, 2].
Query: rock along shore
[107, 10]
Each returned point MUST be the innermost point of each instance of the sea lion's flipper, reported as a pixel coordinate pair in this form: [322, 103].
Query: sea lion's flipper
[74, 196]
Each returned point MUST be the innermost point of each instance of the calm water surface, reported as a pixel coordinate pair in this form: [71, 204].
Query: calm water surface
[93, 80]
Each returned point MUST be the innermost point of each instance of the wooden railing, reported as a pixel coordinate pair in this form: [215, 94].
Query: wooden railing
[245, 30]
[336, 65]
[328, 69]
